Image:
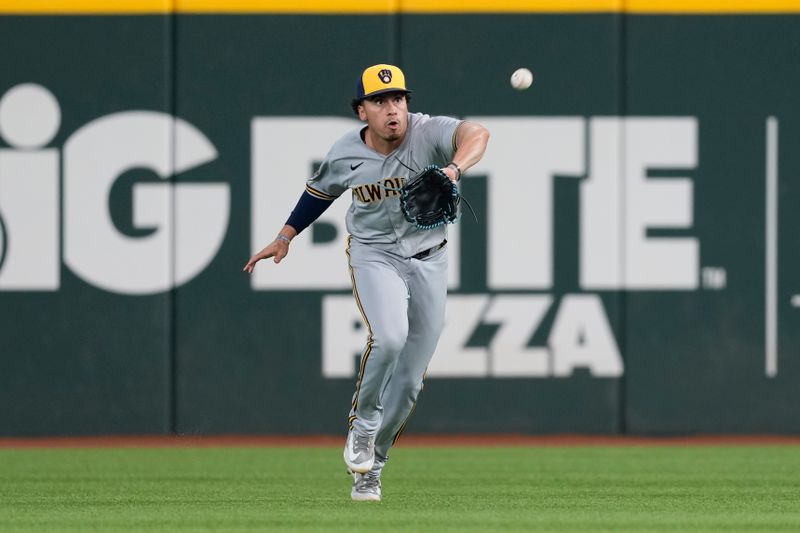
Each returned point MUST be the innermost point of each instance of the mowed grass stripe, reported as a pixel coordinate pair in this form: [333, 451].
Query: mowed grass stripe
[747, 488]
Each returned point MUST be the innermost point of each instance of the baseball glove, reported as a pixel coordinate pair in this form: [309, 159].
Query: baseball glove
[430, 199]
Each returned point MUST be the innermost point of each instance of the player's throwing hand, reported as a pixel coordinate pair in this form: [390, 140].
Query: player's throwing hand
[277, 249]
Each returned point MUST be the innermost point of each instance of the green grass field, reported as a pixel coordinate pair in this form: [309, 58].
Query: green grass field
[745, 488]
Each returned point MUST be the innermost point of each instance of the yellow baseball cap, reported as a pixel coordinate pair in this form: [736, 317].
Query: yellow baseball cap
[379, 79]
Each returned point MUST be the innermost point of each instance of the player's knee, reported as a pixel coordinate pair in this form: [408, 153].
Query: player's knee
[390, 342]
[413, 388]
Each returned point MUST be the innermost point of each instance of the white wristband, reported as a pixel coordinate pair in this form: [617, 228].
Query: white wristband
[282, 237]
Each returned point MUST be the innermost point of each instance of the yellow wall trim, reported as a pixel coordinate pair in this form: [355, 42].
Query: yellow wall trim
[99, 7]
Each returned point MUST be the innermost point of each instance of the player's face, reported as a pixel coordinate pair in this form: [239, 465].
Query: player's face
[386, 115]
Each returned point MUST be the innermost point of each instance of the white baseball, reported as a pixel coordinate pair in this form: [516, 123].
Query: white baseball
[521, 79]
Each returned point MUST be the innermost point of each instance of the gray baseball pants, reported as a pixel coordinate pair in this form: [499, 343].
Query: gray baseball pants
[402, 301]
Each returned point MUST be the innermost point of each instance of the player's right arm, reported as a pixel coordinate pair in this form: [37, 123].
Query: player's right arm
[321, 190]
[277, 248]
[308, 209]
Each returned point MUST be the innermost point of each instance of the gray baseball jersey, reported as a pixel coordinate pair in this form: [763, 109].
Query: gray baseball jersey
[374, 216]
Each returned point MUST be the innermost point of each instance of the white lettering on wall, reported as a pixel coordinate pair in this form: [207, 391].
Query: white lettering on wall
[30, 212]
[621, 203]
[190, 219]
[521, 162]
[581, 337]
[618, 203]
[518, 316]
[659, 263]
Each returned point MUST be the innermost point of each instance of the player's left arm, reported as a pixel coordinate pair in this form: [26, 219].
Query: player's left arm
[471, 141]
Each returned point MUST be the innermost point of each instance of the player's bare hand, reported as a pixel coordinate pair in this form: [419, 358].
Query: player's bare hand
[277, 249]
[451, 173]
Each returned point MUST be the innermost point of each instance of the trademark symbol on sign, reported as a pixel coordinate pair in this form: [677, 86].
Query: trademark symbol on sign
[714, 278]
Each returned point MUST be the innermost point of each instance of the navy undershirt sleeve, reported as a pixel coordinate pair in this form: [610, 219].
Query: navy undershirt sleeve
[307, 210]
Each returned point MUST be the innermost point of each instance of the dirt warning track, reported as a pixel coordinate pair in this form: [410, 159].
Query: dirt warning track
[420, 440]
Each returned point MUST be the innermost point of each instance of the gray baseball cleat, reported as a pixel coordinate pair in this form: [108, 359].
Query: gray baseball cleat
[359, 452]
[366, 487]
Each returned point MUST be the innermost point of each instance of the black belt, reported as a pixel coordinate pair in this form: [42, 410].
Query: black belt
[425, 253]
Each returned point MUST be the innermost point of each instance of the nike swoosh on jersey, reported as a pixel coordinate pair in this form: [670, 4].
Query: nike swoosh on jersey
[353, 167]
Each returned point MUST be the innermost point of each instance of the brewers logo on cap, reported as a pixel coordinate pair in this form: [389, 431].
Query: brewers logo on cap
[379, 79]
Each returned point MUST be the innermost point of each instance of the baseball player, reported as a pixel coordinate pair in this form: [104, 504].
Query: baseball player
[398, 271]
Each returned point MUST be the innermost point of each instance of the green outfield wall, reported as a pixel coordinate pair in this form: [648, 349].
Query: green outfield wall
[634, 268]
